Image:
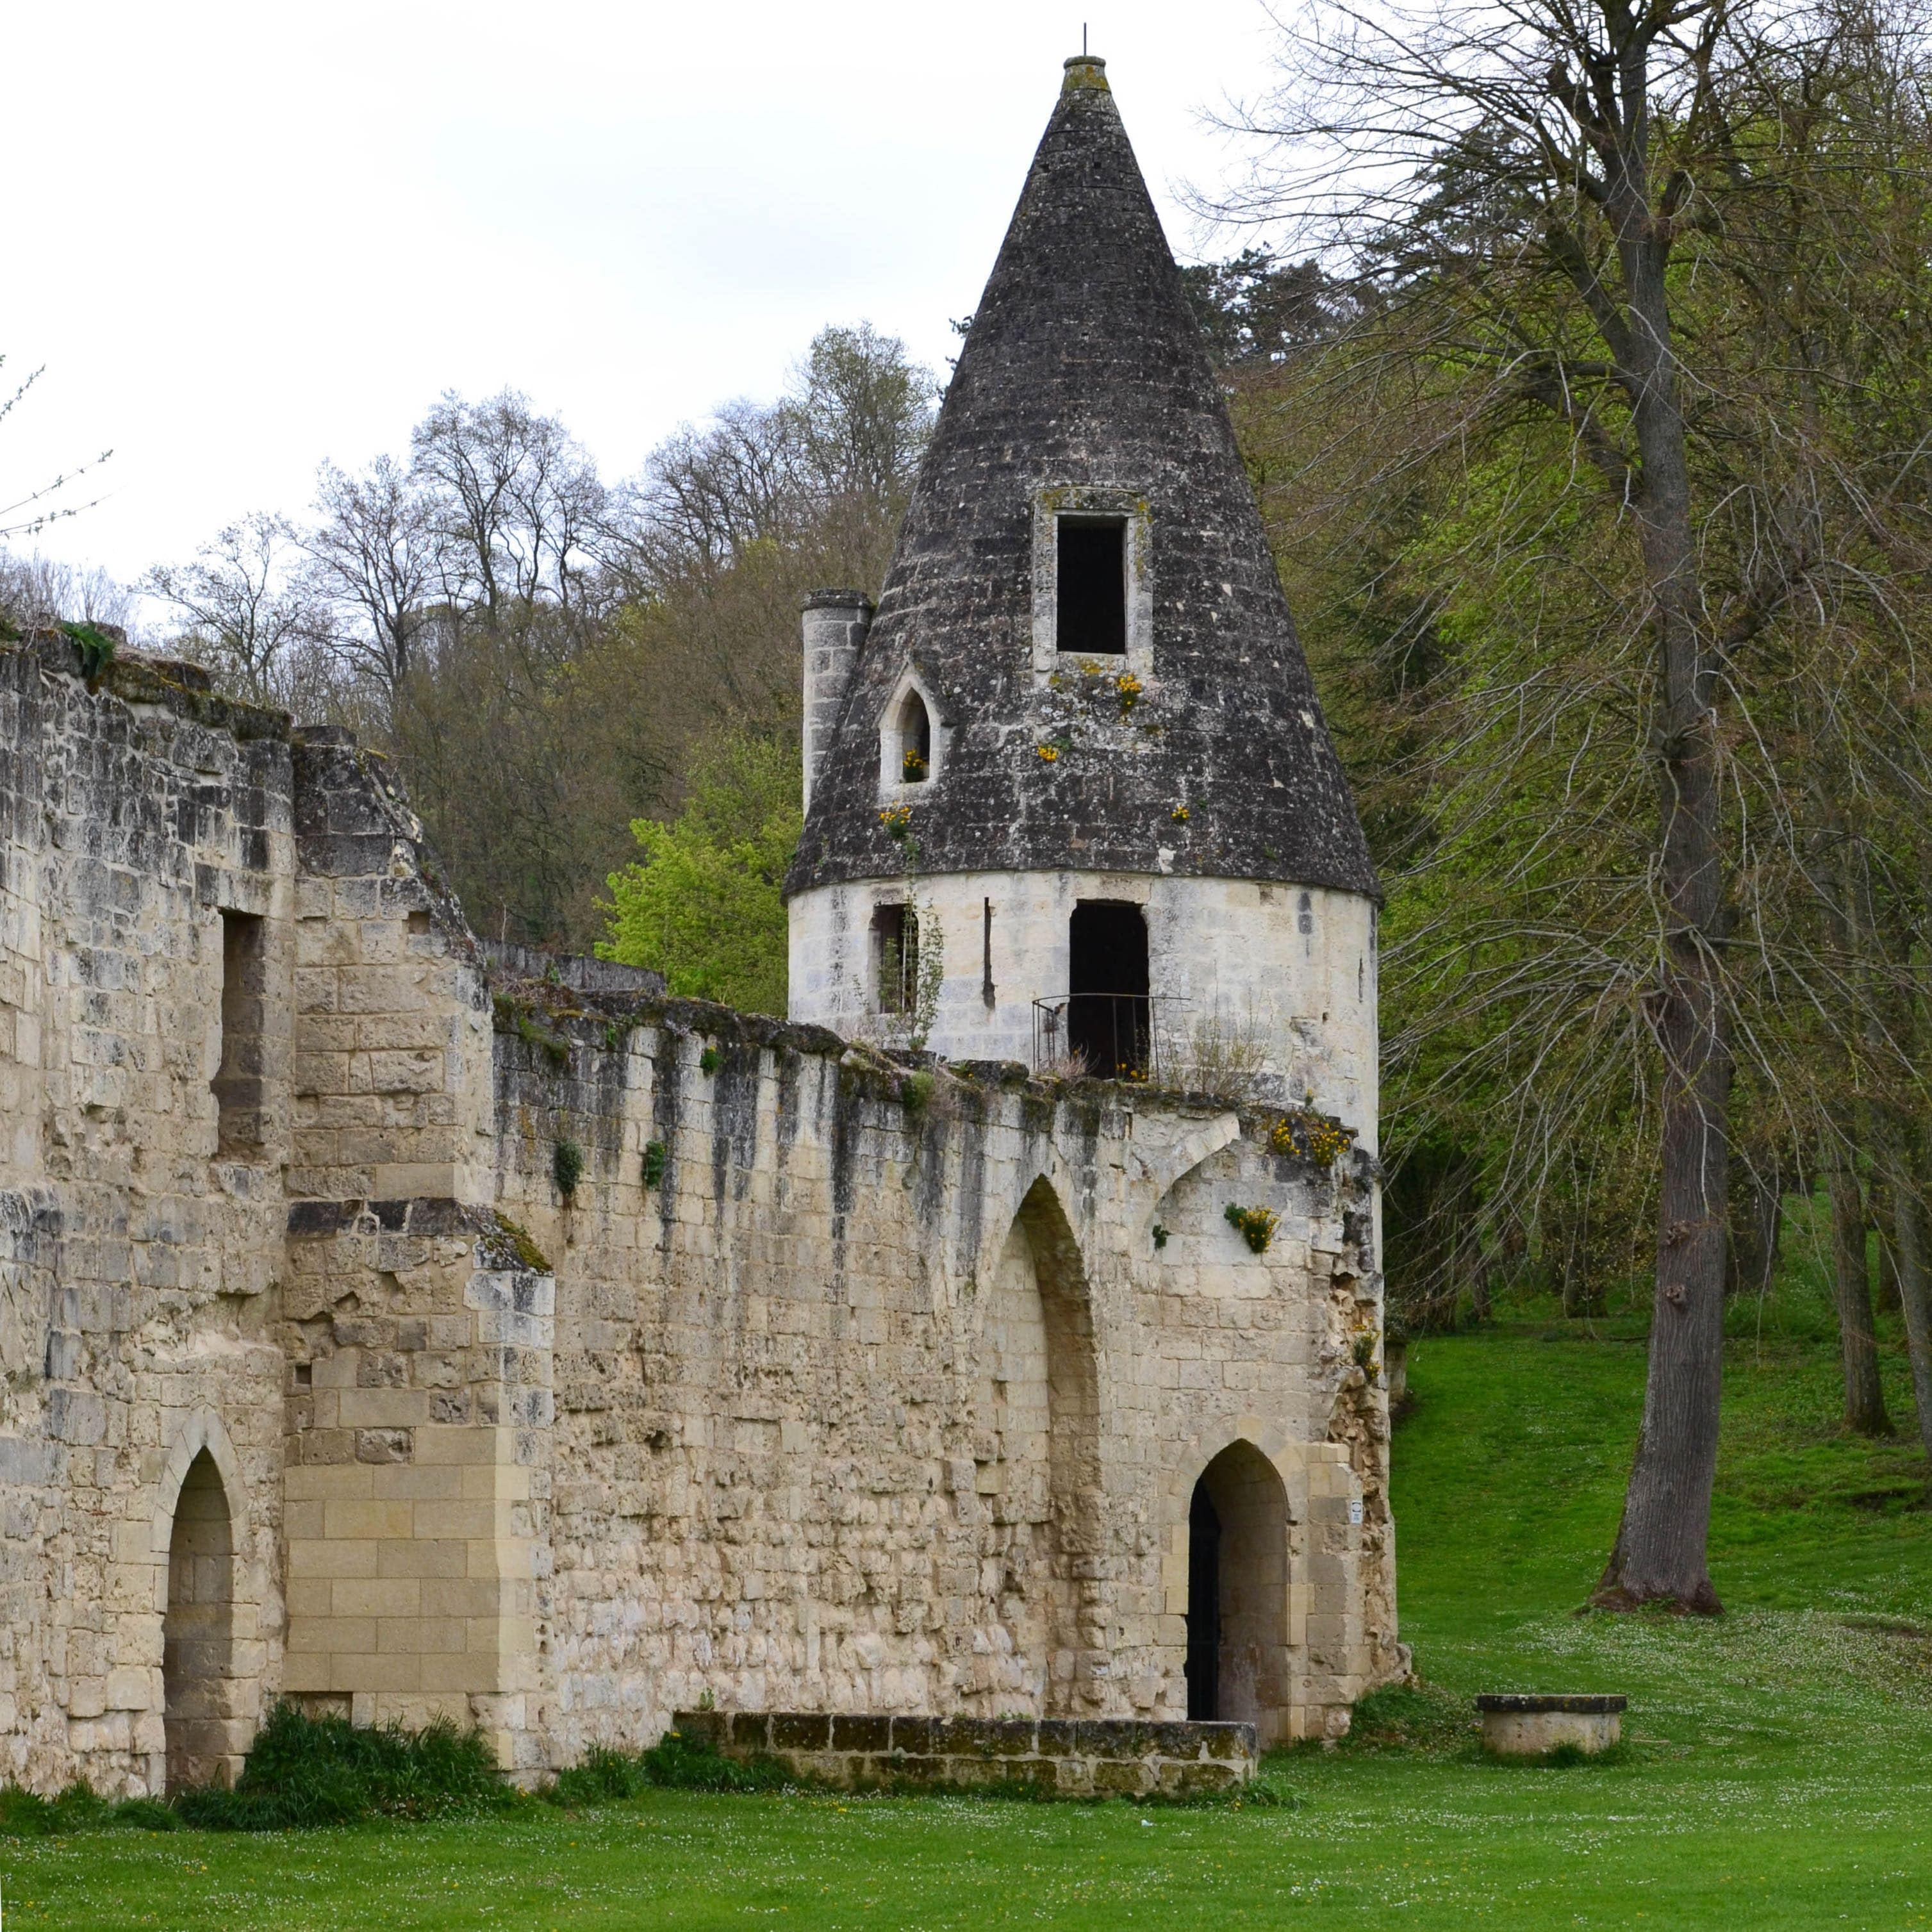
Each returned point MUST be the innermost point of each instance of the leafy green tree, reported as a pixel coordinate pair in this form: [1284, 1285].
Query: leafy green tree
[1638, 437]
[703, 907]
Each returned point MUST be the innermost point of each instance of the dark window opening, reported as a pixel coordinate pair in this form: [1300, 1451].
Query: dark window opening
[1203, 1665]
[239, 1085]
[1091, 616]
[915, 741]
[1108, 1015]
[896, 957]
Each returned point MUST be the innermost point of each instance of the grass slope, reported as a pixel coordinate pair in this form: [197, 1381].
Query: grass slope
[1780, 1773]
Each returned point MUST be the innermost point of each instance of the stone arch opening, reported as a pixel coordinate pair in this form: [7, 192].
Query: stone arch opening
[915, 740]
[1237, 1661]
[1040, 1401]
[198, 1631]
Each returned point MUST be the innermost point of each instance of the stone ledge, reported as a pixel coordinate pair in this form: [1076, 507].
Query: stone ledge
[1070, 1757]
[1526, 1703]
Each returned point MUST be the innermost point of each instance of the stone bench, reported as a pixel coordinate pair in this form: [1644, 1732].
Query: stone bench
[1518, 1724]
[1066, 1757]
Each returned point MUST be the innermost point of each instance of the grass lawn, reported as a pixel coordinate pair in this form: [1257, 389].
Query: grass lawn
[1779, 1773]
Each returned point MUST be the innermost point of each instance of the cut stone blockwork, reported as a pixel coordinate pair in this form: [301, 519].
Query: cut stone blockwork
[1057, 1757]
[845, 1378]
[1519, 1724]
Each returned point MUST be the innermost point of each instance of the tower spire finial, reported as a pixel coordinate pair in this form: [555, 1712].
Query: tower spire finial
[1085, 70]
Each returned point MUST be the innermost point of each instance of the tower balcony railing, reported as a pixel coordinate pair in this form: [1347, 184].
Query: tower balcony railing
[1104, 1035]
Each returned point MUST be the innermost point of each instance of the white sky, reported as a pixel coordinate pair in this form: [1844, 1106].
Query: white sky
[243, 239]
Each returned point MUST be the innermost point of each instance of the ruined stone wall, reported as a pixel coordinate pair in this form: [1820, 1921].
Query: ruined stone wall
[886, 1396]
[416, 1333]
[137, 1254]
[829, 1384]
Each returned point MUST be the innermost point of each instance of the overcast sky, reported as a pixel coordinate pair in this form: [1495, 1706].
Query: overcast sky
[245, 238]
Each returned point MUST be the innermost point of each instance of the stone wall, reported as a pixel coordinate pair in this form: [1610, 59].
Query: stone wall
[1280, 979]
[887, 1396]
[138, 1256]
[1044, 1757]
[833, 1384]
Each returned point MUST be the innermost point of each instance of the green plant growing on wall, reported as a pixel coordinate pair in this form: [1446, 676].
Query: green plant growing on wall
[707, 1061]
[521, 1019]
[931, 975]
[915, 1092]
[96, 648]
[566, 1167]
[654, 1163]
[1255, 1226]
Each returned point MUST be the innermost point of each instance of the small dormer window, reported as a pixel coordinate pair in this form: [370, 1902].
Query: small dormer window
[910, 750]
[1092, 578]
[1091, 595]
[915, 740]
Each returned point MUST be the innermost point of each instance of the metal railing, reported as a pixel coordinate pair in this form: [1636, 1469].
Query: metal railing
[1100, 1035]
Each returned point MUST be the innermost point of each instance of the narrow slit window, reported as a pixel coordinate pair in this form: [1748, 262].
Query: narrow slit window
[915, 740]
[1091, 600]
[239, 1086]
[896, 957]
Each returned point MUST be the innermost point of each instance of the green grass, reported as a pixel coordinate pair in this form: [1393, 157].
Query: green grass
[1779, 1772]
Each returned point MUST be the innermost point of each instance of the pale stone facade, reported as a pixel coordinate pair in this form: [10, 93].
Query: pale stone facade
[1280, 977]
[831, 1386]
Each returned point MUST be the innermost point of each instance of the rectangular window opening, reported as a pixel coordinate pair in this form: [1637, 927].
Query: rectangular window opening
[1090, 608]
[1109, 1014]
[239, 1086]
[896, 957]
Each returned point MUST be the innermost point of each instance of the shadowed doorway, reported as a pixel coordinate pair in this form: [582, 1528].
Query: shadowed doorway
[1203, 1604]
[1107, 1015]
[1236, 1660]
[197, 1632]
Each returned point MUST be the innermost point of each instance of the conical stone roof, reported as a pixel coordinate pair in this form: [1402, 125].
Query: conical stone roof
[1083, 369]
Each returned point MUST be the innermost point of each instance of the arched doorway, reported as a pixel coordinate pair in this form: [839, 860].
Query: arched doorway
[1039, 1400]
[1237, 1660]
[197, 1632]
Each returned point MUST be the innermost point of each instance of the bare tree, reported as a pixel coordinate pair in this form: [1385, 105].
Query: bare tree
[246, 611]
[39, 590]
[376, 555]
[515, 502]
[27, 516]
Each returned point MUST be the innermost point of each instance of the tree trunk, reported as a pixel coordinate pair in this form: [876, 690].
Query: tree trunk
[1659, 1555]
[1864, 1397]
[1908, 1229]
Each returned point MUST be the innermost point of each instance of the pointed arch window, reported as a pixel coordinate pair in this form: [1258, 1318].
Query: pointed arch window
[915, 730]
[908, 749]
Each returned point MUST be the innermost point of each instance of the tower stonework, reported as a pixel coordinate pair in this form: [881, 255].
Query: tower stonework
[409, 1327]
[1156, 745]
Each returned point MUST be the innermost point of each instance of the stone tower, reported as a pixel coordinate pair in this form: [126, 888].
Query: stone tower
[1069, 791]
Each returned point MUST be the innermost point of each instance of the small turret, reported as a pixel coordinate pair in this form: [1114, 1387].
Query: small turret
[834, 624]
